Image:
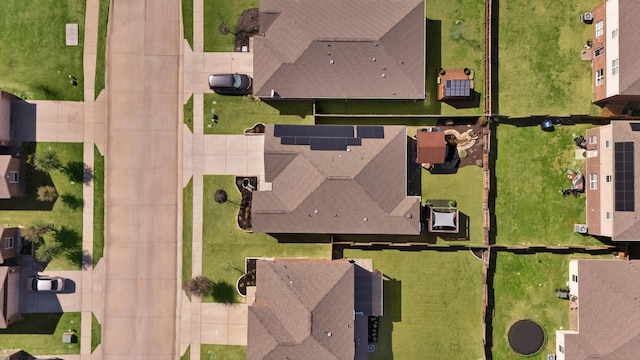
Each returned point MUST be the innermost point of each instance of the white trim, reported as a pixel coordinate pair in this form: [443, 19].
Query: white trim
[599, 28]
[14, 177]
[599, 77]
[608, 215]
[593, 181]
[608, 178]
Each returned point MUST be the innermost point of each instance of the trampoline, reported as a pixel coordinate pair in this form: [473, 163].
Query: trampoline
[526, 337]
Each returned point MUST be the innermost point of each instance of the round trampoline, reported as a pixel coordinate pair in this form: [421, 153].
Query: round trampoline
[526, 337]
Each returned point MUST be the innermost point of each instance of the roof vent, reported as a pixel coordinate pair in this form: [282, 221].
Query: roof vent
[374, 59]
[316, 211]
[331, 62]
[383, 76]
[365, 219]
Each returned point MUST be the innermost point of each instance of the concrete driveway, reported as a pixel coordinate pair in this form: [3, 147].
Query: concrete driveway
[225, 62]
[68, 301]
[239, 155]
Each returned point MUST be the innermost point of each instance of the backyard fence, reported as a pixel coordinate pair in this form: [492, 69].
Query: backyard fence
[487, 56]
[487, 303]
[486, 188]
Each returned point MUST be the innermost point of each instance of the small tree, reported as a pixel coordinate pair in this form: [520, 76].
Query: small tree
[198, 286]
[47, 193]
[47, 250]
[36, 231]
[48, 161]
[221, 196]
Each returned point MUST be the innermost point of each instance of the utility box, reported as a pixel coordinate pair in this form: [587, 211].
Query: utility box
[67, 338]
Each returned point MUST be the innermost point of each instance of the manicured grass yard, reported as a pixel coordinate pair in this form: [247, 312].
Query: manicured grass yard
[96, 332]
[226, 12]
[66, 217]
[531, 170]
[226, 352]
[525, 288]
[188, 113]
[187, 353]
[540, 71]
[225, 245]
[187, 20]
[42, 334]
[432, 305]
[465, 187]
[102, 47]
[187, 230]
[237, 113]
[98, 205]
[35, 63]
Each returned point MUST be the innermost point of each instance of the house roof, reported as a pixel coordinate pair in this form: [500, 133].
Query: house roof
[326, 49]
[629, 47]
[5, 161]
[432, 147]
[302, 307]
[359, 191]
[5, 116]
[608, 312]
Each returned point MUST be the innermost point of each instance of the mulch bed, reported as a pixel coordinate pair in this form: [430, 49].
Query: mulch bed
[526, 337]
[244, 214]
[474, 153]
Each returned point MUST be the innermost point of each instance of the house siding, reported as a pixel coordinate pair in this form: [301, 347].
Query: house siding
[15, 189]
[600, 62]
[593, 195]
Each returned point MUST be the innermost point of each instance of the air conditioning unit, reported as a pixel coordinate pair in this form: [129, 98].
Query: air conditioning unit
[587, 18]
[580, 228]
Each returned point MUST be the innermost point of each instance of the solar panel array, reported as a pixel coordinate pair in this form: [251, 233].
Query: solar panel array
[624, 177]
[457, 88]
[326, 137]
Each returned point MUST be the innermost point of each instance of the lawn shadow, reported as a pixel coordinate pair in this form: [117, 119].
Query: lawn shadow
[425, 238]
[433, 57]
[23, 121]
[302, 238]
[223, 292]
[472, 102]
[72, 202]
[495, 73]
[33, 324]
[76, 172]
[71, 242]
[34, 180]
[493, 183]
[301, 108]
[490, 307]
[414, 170]
[392, 313]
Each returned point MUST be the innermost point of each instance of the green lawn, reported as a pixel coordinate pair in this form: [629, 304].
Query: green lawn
[98, 205]
[188, 113]
[187, 230]
[237, 113]
[226, 352]
[531, 170]
[432, 304]
[540, 71]
[96, 332]
[226, 12]
[461, 27]
[225, 245]
[102, 47]
[42, 334]
[187, 20]
[524, 288]
[35, 63]
[465, 187]
[66, 215]
[187, 353]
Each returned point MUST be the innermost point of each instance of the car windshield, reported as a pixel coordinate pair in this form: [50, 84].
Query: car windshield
[237, 81]
[54, 285]
[34, 285]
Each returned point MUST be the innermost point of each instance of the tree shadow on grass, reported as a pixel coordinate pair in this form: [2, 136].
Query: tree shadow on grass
[71, 242]
[34, 324]
[72, 202]
[223, 292]
[75, 171]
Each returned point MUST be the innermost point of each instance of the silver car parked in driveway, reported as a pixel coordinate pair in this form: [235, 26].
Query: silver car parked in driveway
[230, 84]
[44, 283]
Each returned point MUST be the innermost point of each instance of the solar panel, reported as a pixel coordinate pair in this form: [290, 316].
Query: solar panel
[354, 141]
[288, 140]
[313, 130]
[635, 126]
[457, 88]
[303, 140]
[325, 143]
[624, 186]
[370, 132]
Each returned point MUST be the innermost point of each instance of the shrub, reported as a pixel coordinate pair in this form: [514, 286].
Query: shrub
[48, 161]
[47, 250]
[452, 203]
[462, 153]
[36, 231]
[47, 193]
[198, 286]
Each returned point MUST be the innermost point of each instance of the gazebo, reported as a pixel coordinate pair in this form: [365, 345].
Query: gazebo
[443, 220]
[455, 85]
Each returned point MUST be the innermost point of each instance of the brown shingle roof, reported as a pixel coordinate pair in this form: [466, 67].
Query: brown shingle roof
[609, 311]
[345, 187]
[298, 303]
[7, 165]
[432, 147]
[302, 37]
[629, 47]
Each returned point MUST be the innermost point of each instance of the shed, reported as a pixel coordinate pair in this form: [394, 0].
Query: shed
[432, 147]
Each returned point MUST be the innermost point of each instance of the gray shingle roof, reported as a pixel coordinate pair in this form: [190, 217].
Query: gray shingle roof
[326, 49]
[629, 47]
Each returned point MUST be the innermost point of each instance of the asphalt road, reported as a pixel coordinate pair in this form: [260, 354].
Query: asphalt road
[141, 180]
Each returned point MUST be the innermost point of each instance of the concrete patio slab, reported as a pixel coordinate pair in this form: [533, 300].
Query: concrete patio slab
[212, 313]
[214, 333]
[237, 334]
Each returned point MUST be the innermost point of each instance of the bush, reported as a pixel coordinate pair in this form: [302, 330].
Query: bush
[47, 250]
[47, 193]
[452, 203]
[462, 153]
[198, 286]
[35, 232]
[48, 161]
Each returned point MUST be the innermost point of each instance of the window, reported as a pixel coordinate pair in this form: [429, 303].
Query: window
[593, 139]
[561, 349]
[599, 77]
[593, 181]
[13, 176]
[615, 66]
[8, 243]
[599, 28]
[614, 33]
[574, 278]
[607, 144]
[608, 178]
[608, 215]
[599, 51]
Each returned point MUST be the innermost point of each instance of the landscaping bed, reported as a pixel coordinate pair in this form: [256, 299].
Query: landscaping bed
[228, 13]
